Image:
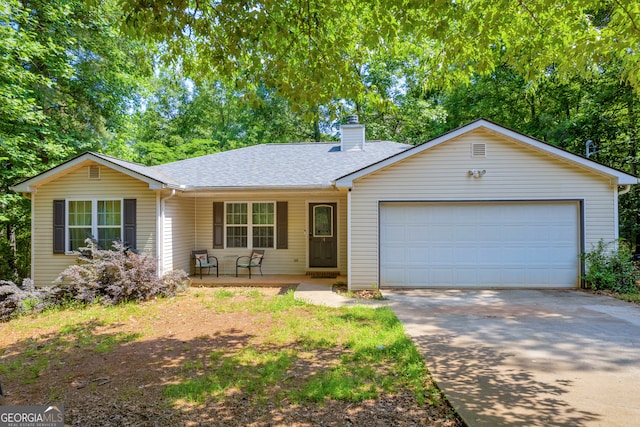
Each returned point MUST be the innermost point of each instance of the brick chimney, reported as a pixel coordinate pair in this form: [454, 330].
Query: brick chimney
[352, 135]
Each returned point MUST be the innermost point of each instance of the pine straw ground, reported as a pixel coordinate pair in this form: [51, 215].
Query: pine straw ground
[114, 366]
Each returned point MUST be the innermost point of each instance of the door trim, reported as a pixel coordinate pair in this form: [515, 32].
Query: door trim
[309, 232]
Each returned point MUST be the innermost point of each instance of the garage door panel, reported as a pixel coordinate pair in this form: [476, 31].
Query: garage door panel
[492, 244]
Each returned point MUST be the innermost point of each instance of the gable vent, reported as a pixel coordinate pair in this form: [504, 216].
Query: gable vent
[478, 149]
[94, 172]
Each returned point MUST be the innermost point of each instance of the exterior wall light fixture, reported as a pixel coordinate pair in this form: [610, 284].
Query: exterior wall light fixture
[477, 173]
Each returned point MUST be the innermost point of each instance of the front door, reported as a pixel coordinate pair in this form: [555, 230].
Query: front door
[323, 239]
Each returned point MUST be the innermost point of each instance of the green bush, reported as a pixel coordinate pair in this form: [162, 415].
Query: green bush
[610, 267]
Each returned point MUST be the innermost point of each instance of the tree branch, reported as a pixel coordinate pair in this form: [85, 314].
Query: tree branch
[533, 16]
[626, 11]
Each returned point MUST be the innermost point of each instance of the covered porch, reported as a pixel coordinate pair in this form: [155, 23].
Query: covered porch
[226, 225]
[268, 280]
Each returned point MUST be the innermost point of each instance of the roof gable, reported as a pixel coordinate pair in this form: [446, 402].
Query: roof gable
[134, 170]
[622, 178]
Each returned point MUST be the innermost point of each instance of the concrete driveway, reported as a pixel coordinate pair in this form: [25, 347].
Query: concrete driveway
[525, 358]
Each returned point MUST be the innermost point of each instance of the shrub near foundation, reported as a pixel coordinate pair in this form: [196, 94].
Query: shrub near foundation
[610, 267]
[115, 276]
[18, 299]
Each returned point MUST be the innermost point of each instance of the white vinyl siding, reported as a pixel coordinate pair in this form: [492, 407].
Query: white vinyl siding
[179, 233]
[73, 185]
[513, 172]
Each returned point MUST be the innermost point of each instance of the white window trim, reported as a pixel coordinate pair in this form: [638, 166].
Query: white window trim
[250, 225]
[94, 219]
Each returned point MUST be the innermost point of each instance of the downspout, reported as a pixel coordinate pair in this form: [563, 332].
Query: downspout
[33, 233]
[625, 189]
[349, 237]
[160, 232]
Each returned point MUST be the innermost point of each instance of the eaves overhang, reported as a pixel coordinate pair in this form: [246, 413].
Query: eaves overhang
[240, 188]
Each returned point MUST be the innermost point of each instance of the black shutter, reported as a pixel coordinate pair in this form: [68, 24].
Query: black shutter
[282, 225]
[129, 238]
[218, 225]
[58, 227]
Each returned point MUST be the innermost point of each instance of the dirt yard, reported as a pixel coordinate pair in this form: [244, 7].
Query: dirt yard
[141, 350]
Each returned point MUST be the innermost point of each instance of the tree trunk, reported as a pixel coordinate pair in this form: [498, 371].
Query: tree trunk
[13, 254]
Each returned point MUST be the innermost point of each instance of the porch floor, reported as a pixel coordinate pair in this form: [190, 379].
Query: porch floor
[257, 280]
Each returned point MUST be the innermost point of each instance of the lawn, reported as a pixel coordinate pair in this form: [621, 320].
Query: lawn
[221, 356]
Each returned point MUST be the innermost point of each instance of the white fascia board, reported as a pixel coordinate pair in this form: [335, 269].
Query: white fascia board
[192, 189]
[621, 178]
[30, 185]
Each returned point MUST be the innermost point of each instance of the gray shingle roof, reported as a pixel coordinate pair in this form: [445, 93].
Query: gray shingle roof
[276, 165]
[137, 167]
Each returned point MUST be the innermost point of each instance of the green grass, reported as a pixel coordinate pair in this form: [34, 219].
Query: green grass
[635, 297]
[250, 370]
[78, 329]
[364, 352]
[295, 352]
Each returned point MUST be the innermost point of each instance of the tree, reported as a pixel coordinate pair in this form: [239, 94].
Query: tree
[310, 50]
[182, 119]
[67, 79]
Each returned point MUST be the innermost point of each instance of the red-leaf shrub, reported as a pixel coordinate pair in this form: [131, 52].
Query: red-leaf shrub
[17, 299]
[115, 276]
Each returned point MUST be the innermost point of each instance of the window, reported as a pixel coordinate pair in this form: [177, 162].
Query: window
[250, 222]
[109, 222]
[99, 219]
[323, 221]
[79, 221]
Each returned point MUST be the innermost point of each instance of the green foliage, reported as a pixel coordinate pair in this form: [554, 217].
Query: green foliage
[315, 52]
[610, 267]
[183, 120]
[67, 80]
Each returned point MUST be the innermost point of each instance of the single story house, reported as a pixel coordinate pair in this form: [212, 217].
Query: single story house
[480, 206]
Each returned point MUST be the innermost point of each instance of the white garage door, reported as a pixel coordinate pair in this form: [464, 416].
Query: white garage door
[472, 244]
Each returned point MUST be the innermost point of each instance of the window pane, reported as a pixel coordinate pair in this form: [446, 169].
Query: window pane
[77, 237]
[79, 212]
[262, 213]
[236, 237]
[263, 237]
[237, 213]
[109, 212]
[323, 221]
[106, 236]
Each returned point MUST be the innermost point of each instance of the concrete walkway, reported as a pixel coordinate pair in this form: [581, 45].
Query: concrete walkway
[318, 292]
